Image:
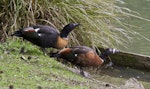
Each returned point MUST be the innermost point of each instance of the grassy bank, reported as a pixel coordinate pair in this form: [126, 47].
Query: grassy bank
[33, 70]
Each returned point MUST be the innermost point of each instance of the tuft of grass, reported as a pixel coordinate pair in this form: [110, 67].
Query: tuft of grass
[97, 18]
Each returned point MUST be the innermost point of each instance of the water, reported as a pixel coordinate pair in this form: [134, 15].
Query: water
[139, 45]
[118, 75]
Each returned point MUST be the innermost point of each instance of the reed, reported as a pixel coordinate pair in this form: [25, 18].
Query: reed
[100, 20]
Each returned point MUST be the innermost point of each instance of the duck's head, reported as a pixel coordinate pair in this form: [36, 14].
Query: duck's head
[108, 52]
[67, 29]
[111, 51]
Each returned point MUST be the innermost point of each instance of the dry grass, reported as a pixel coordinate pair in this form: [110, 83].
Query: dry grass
[97, 18]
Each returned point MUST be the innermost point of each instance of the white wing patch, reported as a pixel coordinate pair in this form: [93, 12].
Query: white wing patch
[39, 34]
[37, 29]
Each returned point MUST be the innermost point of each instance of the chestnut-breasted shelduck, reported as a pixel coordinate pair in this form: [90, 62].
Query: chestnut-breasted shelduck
[46, 36]
[83, 56]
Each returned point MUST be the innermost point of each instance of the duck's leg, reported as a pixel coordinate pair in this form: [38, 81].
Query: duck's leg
[81, 71]
[44, 51]
[84, 74]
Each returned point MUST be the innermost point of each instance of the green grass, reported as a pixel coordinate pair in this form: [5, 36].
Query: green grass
[38, 71]
[32, 69]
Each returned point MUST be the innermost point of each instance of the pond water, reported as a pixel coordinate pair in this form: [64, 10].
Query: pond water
[139, 44]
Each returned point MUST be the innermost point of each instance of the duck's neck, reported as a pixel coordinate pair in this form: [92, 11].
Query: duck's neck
[108, 52]
[103, 56]
[64, 33]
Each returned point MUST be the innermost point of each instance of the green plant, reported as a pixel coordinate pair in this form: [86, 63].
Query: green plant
[97, 18]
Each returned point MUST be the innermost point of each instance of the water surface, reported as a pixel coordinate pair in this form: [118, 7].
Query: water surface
[139, 44]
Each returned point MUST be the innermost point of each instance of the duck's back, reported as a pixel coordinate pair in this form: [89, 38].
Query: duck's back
[81, 56]
[43, 36]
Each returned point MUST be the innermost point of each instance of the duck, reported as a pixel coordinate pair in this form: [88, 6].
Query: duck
[83, 56]
[46, 36]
